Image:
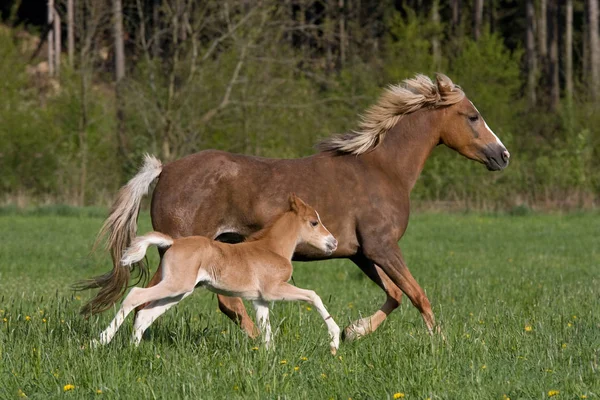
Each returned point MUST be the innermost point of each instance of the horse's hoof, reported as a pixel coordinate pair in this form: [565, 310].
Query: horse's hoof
[353, 332]
[333, 351]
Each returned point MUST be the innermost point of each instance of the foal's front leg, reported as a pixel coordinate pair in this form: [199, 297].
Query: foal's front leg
[262, 317]
[285, 291]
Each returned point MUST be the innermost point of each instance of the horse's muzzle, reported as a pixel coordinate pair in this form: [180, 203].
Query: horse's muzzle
[496, 157]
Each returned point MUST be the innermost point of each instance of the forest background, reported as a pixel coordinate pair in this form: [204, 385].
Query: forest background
[88, 86]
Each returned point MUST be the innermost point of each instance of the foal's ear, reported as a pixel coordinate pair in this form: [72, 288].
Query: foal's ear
[293, 202]
[296, 204]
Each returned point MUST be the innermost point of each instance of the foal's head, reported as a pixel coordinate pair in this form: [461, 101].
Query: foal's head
[312, 231]
[464, 130]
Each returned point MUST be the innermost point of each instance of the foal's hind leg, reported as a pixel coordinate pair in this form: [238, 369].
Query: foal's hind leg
[285, 291]
[146, 316]
[367, 325]
[135, 297]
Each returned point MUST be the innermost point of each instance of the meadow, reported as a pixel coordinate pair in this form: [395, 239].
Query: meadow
[518, 297]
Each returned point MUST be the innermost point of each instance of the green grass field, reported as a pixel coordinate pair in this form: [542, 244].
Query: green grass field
[518, 298]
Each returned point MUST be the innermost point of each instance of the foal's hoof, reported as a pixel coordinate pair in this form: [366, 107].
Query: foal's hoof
[333, 351]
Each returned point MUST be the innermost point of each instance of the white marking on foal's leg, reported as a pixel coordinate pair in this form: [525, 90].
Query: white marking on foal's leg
[107, 335]
[262, 317]
[332, 327]
[150, 313]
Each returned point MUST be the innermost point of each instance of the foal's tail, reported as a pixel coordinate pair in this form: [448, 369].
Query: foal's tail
[137, 251]
[120, 228]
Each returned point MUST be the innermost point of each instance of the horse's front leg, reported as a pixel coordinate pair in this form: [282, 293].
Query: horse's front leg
[367, 325]
[389, 257]
[234, 308]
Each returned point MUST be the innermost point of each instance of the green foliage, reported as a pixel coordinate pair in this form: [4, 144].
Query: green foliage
[488, 278]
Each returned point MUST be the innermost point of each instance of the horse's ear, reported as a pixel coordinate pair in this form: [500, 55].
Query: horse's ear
[444, 83]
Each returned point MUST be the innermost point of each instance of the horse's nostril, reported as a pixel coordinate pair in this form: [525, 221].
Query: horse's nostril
[505, 155]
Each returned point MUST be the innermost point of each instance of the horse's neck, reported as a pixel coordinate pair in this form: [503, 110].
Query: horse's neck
[282, 236]
[406, 147]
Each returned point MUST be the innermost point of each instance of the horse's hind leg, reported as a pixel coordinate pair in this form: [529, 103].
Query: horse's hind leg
[367, 325]
[234, 308]
[285, 291]
[146, 316]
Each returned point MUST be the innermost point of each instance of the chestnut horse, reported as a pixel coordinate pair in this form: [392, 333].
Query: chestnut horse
[360, 182]
[256, 270]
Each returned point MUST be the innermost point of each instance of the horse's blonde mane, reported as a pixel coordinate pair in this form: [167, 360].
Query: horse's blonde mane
[396, 101]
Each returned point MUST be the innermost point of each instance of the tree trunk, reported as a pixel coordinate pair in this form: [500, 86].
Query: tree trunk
[435, 41]
[118, 33]
[57, 43]
[119, 75]
[594, 49]
[456, 6]
[70, 32]
[342, 34]
[569, 51]
[553, 70]
[531, 56]
[50, 39]
[542, 31]
[477, 18]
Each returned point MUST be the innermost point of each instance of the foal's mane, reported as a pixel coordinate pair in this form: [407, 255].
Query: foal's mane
[265, 230]
[396, 101]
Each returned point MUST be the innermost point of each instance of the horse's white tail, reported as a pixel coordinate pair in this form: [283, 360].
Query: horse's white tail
[137, 250]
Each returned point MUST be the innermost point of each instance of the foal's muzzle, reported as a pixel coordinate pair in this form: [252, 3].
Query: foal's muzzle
[331, 244]
[496, 157]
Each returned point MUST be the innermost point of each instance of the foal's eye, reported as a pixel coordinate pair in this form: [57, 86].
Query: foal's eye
[314, 223]
[474, 118]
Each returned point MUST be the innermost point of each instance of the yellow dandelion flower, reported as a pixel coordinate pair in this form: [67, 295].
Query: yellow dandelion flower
[41, 312]
[223, 332]
[98, 391]
[285, 374]
[470, 314]
[77, 297]
[304, 358]
[564, 346]
[505, 397]
[236, 387]
[574, 316]
[21, 393]
[323, 376]
[62, 321]
[5, 319]
[283, 362]
[44, 320]
[398, 395]
[483, 366]
[296, 368]
[255, 348]
[583, 396]
[350, 305]
[27, 318]
[552, 393]
[340, 358]
[68, 387]
[308, 308]
[548, 370]
[569, 324]
[528, 328]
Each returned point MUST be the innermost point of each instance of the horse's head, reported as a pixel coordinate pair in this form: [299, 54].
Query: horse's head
[464, 130]
[312, 230]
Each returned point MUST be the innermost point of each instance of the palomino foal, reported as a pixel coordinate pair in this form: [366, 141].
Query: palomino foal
[257, 270]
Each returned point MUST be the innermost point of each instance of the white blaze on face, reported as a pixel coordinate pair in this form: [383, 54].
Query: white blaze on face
[488, 128]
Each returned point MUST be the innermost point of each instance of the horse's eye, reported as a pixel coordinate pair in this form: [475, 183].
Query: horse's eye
[314, 223]
[474, 118]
